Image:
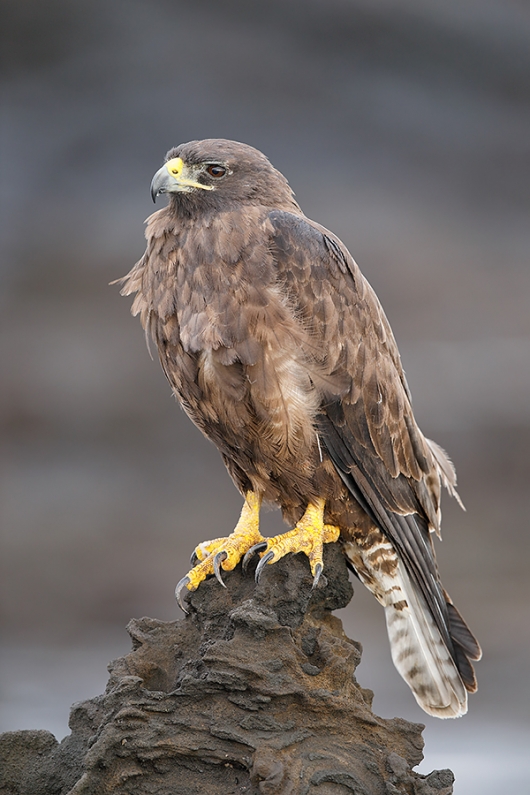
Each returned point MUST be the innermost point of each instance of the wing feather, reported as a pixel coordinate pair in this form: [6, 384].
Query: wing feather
[369, 431]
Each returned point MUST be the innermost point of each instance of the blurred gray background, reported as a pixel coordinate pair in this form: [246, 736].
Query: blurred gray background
[402, 125]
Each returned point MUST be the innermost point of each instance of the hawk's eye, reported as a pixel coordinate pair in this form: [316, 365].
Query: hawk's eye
[216, 171]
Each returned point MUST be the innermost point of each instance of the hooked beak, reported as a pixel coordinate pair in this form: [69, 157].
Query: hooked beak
[174, 177]
[160, 183]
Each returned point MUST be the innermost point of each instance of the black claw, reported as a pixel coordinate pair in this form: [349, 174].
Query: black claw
[178, 593]
[193, 559]
[250, 554]
[218, 559]
[316, 578]
[263, 562]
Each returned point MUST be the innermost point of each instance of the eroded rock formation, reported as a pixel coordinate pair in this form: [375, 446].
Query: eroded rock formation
[254, 692]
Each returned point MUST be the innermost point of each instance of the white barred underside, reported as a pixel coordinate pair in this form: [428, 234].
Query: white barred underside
[418, 649]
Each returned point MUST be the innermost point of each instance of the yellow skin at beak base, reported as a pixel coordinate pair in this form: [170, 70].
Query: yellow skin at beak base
[175, 167]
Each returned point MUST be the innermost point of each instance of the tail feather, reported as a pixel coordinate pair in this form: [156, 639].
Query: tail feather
[420, 653]
[438, 672]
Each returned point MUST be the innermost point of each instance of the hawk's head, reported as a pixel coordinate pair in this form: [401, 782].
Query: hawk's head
[215, 173]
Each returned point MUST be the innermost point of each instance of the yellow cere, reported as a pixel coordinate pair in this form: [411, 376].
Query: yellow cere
[176, 167]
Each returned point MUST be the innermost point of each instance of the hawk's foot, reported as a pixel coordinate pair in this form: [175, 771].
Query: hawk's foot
[309, 537]
[224, 553]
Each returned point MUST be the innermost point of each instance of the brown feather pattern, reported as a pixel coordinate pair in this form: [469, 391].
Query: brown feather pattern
[278, 349]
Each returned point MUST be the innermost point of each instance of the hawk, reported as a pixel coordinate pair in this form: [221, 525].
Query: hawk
[279, 351]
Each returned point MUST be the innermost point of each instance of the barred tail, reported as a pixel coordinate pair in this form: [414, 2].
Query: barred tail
[420, 654]
[438, 677]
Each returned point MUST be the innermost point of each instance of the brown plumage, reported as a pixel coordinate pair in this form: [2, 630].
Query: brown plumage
[279, 351]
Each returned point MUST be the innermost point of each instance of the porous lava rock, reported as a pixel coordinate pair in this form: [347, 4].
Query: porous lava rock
[253, 692]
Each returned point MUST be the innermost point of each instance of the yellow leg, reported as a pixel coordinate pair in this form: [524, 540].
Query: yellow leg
[224, 553]
[309, 536]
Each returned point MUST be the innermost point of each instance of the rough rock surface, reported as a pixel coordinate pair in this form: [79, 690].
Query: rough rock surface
[253, 692]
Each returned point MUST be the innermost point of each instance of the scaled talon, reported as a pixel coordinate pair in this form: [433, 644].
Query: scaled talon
[251, 552]
[225, 553]
[183, 583]
[218, 559]
[267, 558]
[318, 571]
[309, 536]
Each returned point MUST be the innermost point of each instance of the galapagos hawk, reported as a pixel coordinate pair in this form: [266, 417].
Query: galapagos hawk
[279, 351]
